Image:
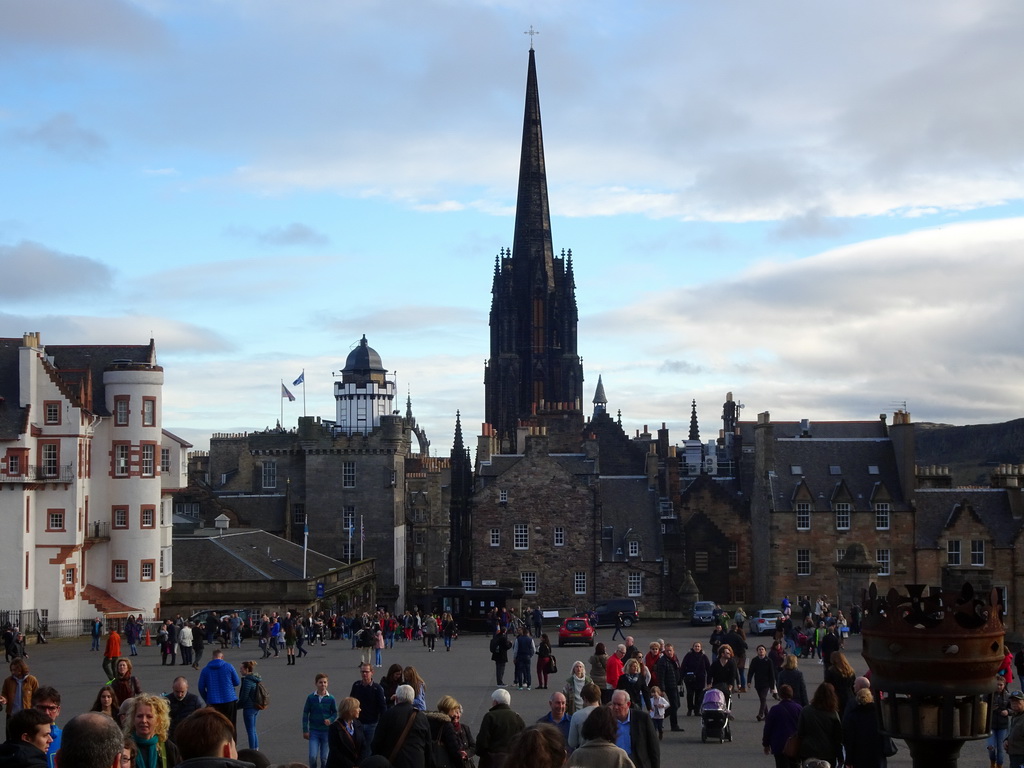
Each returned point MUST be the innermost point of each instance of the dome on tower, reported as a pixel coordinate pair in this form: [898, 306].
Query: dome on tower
[363, 359]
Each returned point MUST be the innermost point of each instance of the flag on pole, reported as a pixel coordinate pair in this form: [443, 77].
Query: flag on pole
[300, 380]
[285, 392]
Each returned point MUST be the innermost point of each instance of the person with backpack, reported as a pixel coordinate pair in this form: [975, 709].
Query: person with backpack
[252, 697]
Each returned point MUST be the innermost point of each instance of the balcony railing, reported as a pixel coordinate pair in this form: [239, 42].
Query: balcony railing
[64, 473]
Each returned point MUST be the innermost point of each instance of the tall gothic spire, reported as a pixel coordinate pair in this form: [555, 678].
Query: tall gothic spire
[694, 431]
[532, 240]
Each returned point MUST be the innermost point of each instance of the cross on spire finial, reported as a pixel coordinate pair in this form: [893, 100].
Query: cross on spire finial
[531, 32]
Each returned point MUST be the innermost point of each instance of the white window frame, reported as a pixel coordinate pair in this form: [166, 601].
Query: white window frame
[953, 554]
[165, 459]
[883, 510]
[120, 523]
[579, 582]
[148, 460]
[348, 517]
[842, 509]
[51, 459]
[503, 497]
[633, 547]
[51, 413]
[521, 536]
[268, 479]
[122, 411]
[122, 456]
[529, 579]
[348, 474]
[634, 584]
[559, 536]
[803, 562]
[884, 559]
[495, 537]
[803, 516]
[55, 520]
[978, 553]
[148, 412]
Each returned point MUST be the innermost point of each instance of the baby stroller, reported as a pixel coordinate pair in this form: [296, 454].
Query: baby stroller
[714, 716]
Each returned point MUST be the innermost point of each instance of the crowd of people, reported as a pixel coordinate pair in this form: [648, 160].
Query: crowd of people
[611, 710]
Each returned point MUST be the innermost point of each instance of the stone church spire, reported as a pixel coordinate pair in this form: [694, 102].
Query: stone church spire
[534, 367]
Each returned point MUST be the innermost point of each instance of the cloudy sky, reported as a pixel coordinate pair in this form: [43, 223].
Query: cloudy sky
[814, 205]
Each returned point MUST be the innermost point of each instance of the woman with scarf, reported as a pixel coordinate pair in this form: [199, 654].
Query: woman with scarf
[146, 722]
[463, 735]
[633, 682]
[125, 684]
[573, 688]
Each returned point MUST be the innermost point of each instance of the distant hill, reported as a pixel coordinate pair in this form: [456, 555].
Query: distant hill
[971, 452]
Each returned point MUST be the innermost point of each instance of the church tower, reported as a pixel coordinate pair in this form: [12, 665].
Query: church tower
[534, 368]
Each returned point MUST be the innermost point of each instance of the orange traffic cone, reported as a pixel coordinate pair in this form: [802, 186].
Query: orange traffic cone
[148, 643]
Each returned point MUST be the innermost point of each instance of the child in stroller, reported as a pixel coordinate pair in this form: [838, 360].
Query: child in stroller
[714, 716]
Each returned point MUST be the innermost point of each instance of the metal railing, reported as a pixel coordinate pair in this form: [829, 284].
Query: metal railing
[65, 473]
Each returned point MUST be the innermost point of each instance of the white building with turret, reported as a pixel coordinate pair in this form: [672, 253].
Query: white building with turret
[86, 476]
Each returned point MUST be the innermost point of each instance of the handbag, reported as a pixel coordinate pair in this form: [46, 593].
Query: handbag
[889, 747]
[439, 755]
[552, 664]
[792, 748]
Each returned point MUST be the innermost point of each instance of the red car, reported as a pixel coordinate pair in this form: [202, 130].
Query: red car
[575, 630]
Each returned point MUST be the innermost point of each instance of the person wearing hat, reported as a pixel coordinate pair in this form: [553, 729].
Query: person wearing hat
[1015, 739]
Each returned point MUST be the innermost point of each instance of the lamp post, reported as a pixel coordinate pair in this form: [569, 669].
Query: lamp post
[933, 660]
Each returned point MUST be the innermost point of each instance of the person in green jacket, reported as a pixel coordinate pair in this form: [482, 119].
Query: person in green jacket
[318, 713]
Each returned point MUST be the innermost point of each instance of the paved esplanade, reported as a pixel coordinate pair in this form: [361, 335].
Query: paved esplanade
[466, 673]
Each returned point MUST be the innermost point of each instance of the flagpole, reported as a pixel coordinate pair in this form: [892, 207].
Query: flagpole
[305, 544]
[280, 423]
[303, 391]
[362, 535]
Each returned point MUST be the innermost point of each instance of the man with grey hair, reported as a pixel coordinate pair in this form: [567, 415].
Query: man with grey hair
[403, 733]
[636, 734]
[497, 730]
[90, 740]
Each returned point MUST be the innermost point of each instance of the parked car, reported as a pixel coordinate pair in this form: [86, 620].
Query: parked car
[704, 613]
[575, 630]
[608, 610]
[763, 622]
[244, 614]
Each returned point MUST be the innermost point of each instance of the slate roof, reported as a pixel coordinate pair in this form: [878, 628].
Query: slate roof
[243, 556]
[938, 508]
[73, 363]
[818, 429]
[13, 418]
[815, 458]
[627, 503]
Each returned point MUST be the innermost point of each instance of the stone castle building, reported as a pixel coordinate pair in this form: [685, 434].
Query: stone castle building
[363, 484]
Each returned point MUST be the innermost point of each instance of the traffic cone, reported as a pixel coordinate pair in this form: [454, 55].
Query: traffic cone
[148, 643]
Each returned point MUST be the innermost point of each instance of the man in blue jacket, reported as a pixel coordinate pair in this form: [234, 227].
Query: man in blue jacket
[218, 683]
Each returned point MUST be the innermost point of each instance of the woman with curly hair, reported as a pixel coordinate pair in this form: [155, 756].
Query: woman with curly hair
[18, 688]
[147, 720]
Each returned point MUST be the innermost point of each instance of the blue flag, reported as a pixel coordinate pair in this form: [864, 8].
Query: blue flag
[300, 380]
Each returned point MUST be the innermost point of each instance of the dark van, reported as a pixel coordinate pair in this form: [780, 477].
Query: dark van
[607, 611]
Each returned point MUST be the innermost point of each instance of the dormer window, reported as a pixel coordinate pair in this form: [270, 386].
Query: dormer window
[634, 548]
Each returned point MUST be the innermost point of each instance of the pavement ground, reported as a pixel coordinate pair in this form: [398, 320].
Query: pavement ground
[466, 673]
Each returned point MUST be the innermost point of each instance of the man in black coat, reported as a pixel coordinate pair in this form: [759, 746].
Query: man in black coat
[499, 653]
[413, 751]
[634, 724]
